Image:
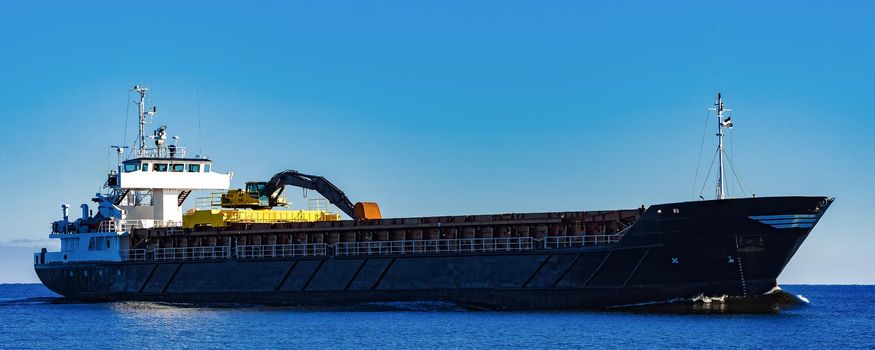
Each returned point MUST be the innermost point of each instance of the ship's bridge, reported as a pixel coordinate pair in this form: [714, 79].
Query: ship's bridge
[167, 180]
[170, 173]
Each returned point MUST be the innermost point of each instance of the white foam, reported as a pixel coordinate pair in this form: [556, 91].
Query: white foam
[774, 289]
[708, 299]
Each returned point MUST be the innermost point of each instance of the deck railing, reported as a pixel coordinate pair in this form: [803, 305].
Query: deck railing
[163, 152]
[281, 250]
[133, 255]
[210, 201]
[110, 226]
[193, 253]
[434, 246]
[128, 225]
[164, 254]
[559, 242]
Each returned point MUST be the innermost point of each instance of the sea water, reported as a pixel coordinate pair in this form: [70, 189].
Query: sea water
[31, 317]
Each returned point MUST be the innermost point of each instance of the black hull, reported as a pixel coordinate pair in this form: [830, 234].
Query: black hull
[674, 251]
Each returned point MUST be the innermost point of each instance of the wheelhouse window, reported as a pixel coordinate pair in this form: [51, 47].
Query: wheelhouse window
[145, 167]
[159, 167]
[177, 168]
[129, 167]
[206, 168]
[194, 168]
[97, 243]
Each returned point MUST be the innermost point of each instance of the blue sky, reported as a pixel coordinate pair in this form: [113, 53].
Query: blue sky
[434, 108]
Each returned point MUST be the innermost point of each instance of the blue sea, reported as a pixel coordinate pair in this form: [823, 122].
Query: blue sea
[31, 317]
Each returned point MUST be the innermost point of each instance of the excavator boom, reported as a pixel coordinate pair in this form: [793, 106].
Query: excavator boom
[266, 195]
[332, 193]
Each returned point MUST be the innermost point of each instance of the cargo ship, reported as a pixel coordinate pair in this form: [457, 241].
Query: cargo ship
[242, 246]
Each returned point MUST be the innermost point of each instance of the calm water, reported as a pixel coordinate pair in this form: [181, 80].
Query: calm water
[837, 316]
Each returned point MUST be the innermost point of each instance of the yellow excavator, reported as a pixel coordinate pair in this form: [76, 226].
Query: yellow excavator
[255, 203]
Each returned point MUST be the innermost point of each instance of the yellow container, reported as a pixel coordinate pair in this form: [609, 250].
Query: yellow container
[223, 217]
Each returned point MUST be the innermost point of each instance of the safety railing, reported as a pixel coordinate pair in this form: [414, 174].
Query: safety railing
[317, 204]
[435, 246]
[210, 201]
[193, 253]
[110, 226]
[281, 250]
[559, 242]
[128, 225]
[164, 254]
[159, 223]
[119, 225]
[133, 255]
[163, 152]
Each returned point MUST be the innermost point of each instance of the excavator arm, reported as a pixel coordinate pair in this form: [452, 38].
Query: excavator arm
[277, 183]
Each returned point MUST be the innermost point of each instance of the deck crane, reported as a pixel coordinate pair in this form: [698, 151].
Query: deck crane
[266, 195]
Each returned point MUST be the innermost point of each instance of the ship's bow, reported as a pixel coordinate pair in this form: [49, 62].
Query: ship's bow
[725, 247]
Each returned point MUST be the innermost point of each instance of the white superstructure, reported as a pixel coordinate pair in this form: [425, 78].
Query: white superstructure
[146, 190]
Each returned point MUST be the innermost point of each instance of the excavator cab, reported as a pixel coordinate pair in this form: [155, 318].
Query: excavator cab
[252, 197]
[255, 188]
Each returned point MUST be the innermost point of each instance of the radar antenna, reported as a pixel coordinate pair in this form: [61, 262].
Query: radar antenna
[141, 138]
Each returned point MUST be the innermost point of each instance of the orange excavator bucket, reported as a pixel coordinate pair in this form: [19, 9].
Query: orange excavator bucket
[367, 210]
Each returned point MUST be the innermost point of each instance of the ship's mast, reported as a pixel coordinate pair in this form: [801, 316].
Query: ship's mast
[141, 138]
[721, 123]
